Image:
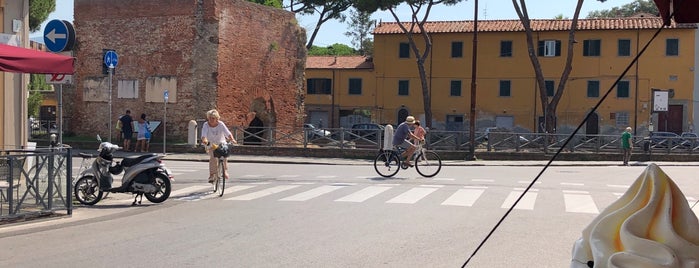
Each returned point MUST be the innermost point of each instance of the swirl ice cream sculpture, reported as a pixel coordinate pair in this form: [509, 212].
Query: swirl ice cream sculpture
[651, 225]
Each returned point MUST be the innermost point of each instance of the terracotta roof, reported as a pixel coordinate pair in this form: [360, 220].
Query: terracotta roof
[339, 62]
[538, 25]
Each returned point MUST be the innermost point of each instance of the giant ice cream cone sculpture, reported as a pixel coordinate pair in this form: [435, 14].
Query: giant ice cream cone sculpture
[651, 225]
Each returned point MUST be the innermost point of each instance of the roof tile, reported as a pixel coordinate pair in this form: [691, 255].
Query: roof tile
[339, 62]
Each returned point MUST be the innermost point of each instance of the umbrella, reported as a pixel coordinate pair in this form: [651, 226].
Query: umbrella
[22, 60]
[685, 11]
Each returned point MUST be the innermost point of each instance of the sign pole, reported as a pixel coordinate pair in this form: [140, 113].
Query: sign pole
[60, 114]
[111, 71]
[165, 96]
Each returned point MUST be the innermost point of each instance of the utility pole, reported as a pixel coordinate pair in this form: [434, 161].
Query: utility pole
[474, 66]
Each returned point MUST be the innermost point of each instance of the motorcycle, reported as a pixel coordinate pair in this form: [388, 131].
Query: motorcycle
[143, 175]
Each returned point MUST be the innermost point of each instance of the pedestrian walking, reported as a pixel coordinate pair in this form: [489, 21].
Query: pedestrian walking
[626, 145]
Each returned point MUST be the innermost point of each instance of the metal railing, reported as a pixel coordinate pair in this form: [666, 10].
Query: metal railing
[35, 182]
[442, 140]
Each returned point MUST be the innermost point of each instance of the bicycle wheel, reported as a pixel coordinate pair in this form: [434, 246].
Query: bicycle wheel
[428, 164]
[387, 164]
[221, 182]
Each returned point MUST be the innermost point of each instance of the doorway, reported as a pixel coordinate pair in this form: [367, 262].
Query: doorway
[671, 121]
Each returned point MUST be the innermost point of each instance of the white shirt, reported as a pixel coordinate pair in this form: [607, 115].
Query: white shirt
[215, 135]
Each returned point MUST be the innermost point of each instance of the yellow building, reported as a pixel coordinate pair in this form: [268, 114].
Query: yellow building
[507, 93]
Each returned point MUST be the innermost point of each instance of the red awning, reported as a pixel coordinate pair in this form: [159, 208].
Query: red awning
[686, 11]
[22, 60]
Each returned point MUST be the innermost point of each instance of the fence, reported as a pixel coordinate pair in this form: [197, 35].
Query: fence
[492, 141]
[35, 182]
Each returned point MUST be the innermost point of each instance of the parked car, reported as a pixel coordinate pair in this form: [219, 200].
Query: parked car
[689, 139]
[367, 130]
[664, 139]
[314, 132]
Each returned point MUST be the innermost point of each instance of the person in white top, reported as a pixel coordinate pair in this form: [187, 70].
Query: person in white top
[214, 131]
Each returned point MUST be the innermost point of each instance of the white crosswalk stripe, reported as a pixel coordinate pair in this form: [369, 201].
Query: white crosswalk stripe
[265, 192]
[464, 197]
[315, 192]
[364, 194]
[527, 201]
[575, 201]
[412, 196]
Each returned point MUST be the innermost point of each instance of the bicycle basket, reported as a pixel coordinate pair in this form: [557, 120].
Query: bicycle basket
[222, 151]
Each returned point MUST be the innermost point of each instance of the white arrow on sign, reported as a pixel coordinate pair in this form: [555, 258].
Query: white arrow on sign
[52, 35]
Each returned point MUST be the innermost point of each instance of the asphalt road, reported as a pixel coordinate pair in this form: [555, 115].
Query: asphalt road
[336, 216]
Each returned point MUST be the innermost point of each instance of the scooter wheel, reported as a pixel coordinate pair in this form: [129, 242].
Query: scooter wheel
[87, 191]
[162, 182]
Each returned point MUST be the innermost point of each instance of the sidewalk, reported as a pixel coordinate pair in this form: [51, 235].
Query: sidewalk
[341, 161]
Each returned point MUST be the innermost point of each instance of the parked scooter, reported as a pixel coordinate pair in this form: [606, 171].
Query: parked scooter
[144, 175]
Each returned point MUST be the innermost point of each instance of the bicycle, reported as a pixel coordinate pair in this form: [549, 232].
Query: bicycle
[388, 162]
[221, 151]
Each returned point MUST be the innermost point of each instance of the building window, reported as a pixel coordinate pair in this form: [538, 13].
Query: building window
[505, 48]
[319, 86]
[622, 119]
[455, 88]
[622, 89]
[457, 49]
[672, 47]
[550, 48]
[593, 89]
[624, 47]
[404, 51]
[549, 88]
[505, 88]
[355, 86]
[403, 87]
[591, 48]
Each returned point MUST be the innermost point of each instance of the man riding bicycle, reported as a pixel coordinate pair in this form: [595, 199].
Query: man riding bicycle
[401, 138]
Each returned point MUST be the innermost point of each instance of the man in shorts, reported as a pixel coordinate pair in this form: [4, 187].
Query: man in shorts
[401, 138]
[127, 129]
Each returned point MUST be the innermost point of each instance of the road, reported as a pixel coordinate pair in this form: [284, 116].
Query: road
[335, 216]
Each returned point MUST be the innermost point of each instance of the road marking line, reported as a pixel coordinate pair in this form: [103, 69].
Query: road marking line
[315, 192]
[189, 190]
[443, 179]
[388, 184]
[289, 176]
[475, 187]
[364, 194]
[326, 177]
[303, 183]
[263, 193]
[464, 197]
[483, 180]
[252, 176]
[617, 186]
[580, 203]
[432, 185]
[575, 192]
[364, 177]
[572, 184]
[412, 196]
[528, 182]
[522, 189]
[527, 202]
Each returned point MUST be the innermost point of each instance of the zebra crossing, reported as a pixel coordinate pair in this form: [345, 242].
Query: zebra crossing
[574, 201]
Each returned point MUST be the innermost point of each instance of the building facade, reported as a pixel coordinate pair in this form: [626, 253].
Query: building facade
[14, 21]
[244, 59]
[507, 92]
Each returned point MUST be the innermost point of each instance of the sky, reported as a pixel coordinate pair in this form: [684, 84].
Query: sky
[333, 31]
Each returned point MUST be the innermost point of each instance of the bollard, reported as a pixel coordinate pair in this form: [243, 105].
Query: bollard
[192, 133]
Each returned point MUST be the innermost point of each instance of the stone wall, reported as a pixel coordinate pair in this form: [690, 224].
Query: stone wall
[195, 42]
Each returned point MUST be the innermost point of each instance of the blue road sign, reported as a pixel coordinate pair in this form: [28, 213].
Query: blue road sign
[111, 59]
[166, 95]
[59, 35]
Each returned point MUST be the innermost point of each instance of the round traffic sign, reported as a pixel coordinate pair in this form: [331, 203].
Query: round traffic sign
[59, 35]
[111, 59]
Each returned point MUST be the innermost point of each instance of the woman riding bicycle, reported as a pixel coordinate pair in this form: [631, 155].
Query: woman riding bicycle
[216, 132]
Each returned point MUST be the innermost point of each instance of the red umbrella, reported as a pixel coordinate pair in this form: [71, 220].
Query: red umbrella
[22, 60]
[686, 11]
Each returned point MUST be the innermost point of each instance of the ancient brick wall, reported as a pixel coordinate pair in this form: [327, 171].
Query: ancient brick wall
[196, 42]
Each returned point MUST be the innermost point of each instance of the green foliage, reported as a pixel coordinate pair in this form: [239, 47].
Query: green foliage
[271, 3]
[333, 50]
[37, 83]
[361, 26]
[628, 10]
[39, 11]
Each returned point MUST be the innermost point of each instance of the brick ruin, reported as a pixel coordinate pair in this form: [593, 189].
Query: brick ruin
[244, 59]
